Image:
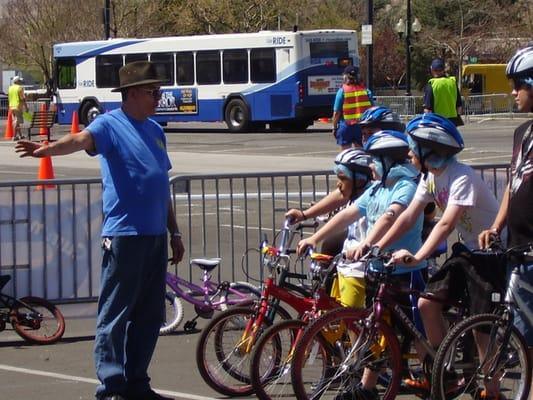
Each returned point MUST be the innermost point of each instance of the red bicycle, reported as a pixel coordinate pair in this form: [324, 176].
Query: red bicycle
[225, 346]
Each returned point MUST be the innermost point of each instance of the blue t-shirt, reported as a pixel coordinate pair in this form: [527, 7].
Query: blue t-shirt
[134, 165]
[373, 206]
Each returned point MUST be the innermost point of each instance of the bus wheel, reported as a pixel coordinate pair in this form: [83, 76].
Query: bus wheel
[89, 111]
[237, 116]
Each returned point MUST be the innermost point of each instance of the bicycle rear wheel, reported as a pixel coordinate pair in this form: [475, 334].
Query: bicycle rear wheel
[351, 348]
[37, 320]
[250, 292]
[173, 313]
[460, 373]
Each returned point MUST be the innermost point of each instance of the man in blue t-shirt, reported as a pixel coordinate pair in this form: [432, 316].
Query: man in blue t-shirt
[137, 211]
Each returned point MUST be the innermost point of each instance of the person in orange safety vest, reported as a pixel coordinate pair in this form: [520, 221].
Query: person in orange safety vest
[351, 101]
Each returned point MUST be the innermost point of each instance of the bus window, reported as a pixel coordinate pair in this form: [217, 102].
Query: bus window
[164, 66]
[235, 66]
[328, 51]
[208, 67]
[135, 57]
[263, 65]
[185, 68]
[66, 73]
[107, 71]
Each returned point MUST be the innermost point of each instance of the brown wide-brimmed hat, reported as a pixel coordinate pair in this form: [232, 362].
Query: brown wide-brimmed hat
[137, 73]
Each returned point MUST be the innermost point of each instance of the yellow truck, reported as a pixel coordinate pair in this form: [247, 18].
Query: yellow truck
[485, 79]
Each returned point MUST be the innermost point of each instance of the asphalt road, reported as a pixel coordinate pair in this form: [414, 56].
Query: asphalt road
[65, 370]
[210, 148]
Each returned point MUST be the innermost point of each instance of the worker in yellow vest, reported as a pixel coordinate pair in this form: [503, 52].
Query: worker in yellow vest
[441, 94]
[17, 103]
[351, 101]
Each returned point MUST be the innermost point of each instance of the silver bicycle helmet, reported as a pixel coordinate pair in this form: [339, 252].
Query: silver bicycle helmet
[520, 66]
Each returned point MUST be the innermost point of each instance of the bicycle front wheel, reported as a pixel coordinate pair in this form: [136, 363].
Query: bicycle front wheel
[476, 356]
[270, 366]
[223, 352]
[37, 320]
[352, 351]
[173, 313]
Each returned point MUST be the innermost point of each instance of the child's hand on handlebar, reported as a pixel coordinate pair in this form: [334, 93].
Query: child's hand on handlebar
[486, 238]
[356, 252]
[294, 215]
[404, 257]
[304, 244]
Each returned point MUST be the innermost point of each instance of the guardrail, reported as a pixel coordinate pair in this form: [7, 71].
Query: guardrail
[476, 105]
[32, 106]
[406, 106]
[50, 239]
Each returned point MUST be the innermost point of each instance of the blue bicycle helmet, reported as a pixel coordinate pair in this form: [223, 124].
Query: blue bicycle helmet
[388, 148]
[435, 133]
[388, 143]
[520, 66]
[383, 118]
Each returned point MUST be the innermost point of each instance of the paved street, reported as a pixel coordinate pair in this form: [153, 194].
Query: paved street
[65, 370]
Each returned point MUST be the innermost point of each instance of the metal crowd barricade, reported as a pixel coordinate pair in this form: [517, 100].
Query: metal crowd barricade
[50, 239]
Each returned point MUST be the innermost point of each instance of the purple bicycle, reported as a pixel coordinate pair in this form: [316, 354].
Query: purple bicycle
[206, 299]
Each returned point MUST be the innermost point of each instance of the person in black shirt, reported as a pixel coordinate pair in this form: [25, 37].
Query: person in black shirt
[516, 209]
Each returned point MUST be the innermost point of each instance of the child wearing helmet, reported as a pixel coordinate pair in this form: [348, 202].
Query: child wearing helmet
[466, 204]
[379, 118]
[352, 99]
[381, 203]
[516, 212]
[353, 176]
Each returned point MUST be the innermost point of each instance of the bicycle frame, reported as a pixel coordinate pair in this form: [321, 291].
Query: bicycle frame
[207, 292]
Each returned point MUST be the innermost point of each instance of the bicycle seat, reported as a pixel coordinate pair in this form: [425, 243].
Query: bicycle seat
[3, 280]
[207, 264]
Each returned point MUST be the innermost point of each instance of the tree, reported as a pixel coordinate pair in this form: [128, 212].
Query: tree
[29, 28]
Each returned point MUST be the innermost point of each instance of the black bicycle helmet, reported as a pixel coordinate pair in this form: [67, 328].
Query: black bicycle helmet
[383, 118]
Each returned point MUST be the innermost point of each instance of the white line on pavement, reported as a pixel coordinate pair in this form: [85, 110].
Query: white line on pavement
[93, 381]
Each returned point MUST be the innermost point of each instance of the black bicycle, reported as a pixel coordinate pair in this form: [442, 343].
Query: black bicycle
[33, 318]
[502, 363]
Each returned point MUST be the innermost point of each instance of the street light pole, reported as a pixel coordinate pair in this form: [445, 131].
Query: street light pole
[408, 50]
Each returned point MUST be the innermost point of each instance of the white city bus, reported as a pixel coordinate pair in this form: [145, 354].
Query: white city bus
[285, 79]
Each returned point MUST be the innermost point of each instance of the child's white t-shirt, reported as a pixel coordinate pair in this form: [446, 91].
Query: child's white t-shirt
[460, 185]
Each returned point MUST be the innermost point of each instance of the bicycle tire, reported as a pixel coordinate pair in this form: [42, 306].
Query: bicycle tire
[174, 313]
[273, 380]
[339, 375]
[516, 371]
[244, 288]
[227, 374]
[47, 328]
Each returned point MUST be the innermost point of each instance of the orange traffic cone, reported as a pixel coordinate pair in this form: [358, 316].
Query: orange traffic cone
[75, 128]
[9, 127]
[46, 171]
[43, 130]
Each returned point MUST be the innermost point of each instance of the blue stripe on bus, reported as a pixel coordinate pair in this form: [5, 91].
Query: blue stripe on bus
[91, 49]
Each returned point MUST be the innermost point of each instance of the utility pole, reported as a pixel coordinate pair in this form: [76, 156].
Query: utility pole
[369, 48]
[408, 50]
[106, 13]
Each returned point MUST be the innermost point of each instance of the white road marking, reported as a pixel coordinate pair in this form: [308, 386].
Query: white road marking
[504, 156]
[93, 381]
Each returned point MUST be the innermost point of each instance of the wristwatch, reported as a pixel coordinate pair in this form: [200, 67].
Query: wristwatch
[176, 234]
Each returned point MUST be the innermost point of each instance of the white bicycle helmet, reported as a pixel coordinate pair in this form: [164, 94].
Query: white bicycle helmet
[355, 164]
[520, 66]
